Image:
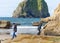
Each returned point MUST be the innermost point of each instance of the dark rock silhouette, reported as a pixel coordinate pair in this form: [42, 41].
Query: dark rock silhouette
[32, 8]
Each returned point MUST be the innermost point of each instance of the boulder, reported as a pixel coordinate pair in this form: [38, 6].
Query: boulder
[35, 23]
[52, 28]
[32, 8]
[5, 24]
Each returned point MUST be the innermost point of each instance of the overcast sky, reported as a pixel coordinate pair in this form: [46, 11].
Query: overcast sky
[8, 6]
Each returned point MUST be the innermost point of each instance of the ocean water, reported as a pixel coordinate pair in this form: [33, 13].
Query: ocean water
[25, 27]
[22, 21]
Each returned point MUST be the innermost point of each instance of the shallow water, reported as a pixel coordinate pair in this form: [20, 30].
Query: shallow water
[25, 27]
[21, 29]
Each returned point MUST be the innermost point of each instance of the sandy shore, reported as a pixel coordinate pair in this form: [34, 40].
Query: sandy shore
[4, 37]
[20, 29]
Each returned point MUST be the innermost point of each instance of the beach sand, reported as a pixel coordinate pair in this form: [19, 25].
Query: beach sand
[4, 37]
[4, 33]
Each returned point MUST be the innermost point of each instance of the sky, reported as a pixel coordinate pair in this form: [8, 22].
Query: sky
[8, 6]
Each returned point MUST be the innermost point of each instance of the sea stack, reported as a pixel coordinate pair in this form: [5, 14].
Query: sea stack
[32, 8]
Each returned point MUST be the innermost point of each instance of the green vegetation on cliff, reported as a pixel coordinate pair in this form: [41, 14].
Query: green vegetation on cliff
[32, 8]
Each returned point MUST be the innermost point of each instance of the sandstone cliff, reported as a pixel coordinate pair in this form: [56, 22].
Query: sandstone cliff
[53, 25]
[32, 8]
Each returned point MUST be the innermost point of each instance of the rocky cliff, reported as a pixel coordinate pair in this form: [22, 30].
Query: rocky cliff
[32, 8]
[53, 25]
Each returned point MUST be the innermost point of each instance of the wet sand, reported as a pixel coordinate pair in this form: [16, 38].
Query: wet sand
[4, 33]
[4, 37]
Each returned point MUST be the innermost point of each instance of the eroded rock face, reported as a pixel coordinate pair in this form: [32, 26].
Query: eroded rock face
[52, 28]
[57, 13]
[32, 8]
[53, 25]
[5, 24]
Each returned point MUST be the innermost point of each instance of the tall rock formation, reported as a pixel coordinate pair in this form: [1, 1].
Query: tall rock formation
[53, 25]
[32, 8]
